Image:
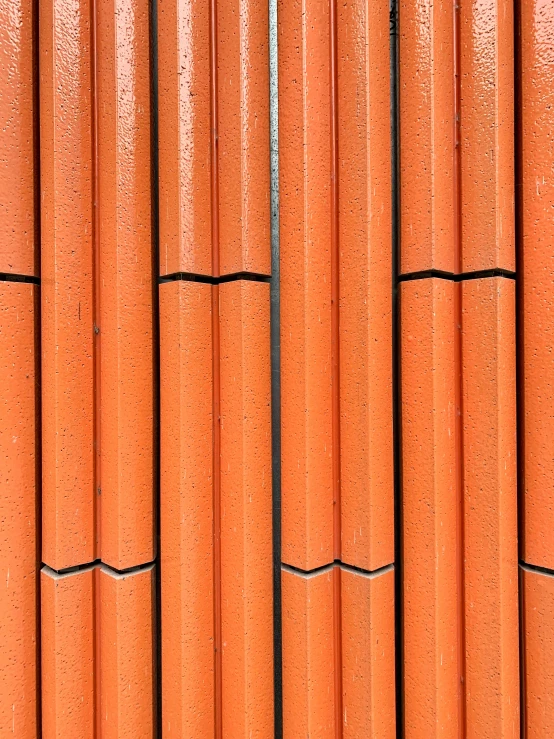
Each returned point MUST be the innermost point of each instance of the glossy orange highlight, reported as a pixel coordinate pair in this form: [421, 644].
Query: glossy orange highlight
[246, 511]
[18, 509]
[126, 290]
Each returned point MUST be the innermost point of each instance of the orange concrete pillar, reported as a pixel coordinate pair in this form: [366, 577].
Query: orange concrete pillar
[243, 135]
[126, 475]
[368, 663]
[127, 665]
[186, 510]
[308, 705]
[19, 553]
[68, 654]
[19, 375]
[246, 511]
[490, 509]
[365, 274]
[426, 98]
[68, 496]
[305, 286]
[486, 135]
[184, 137]
[537, 328]
[429, 510]
[18, 129]
[538, 656]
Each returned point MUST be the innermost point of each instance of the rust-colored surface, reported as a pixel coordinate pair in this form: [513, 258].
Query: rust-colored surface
[243, 135]
[538, 659]
[429, 510]
[127, 654]
[66, 286]
[365, 271]
[126, 292]
[487, 135]
[246, 525]
[19, 484]
[308, 704]
[305, 283]
[537, 281]
[67, 627]
[184, 136]
[186, 510]
[368, 664]
[18, 154]
[490, 509]
[426, 94]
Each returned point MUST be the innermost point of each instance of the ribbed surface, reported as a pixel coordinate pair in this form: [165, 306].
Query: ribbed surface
[335, 525]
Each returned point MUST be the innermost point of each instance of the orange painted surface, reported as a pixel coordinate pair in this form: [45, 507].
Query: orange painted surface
[429, 510]
[537, 281]
[67, 627]
[305, 283]
[308, 705]
[18, 155]
[66, 287]
[538, 658]
[186, 510]
[246, 511]
[127, 654]
[184, 136]
[126, 291]
[243, 136]
[426, 92]
[368, 664]
[19, 553]
[365, 272]
[490, 509]
[487, 135]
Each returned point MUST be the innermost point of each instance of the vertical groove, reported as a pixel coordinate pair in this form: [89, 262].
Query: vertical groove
[335, 371]
[214, 185]
[520, 416]
[96, 372]
[275, 329]
[397, 439]
[38, 375]
[157, 619]
[458, 387]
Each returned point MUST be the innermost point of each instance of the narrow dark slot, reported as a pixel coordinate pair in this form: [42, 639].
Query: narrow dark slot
[10, 277]
[460, 277]
[275, 371]
[157, 615]
[397, 428]
[96, 563]
[211, 280]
